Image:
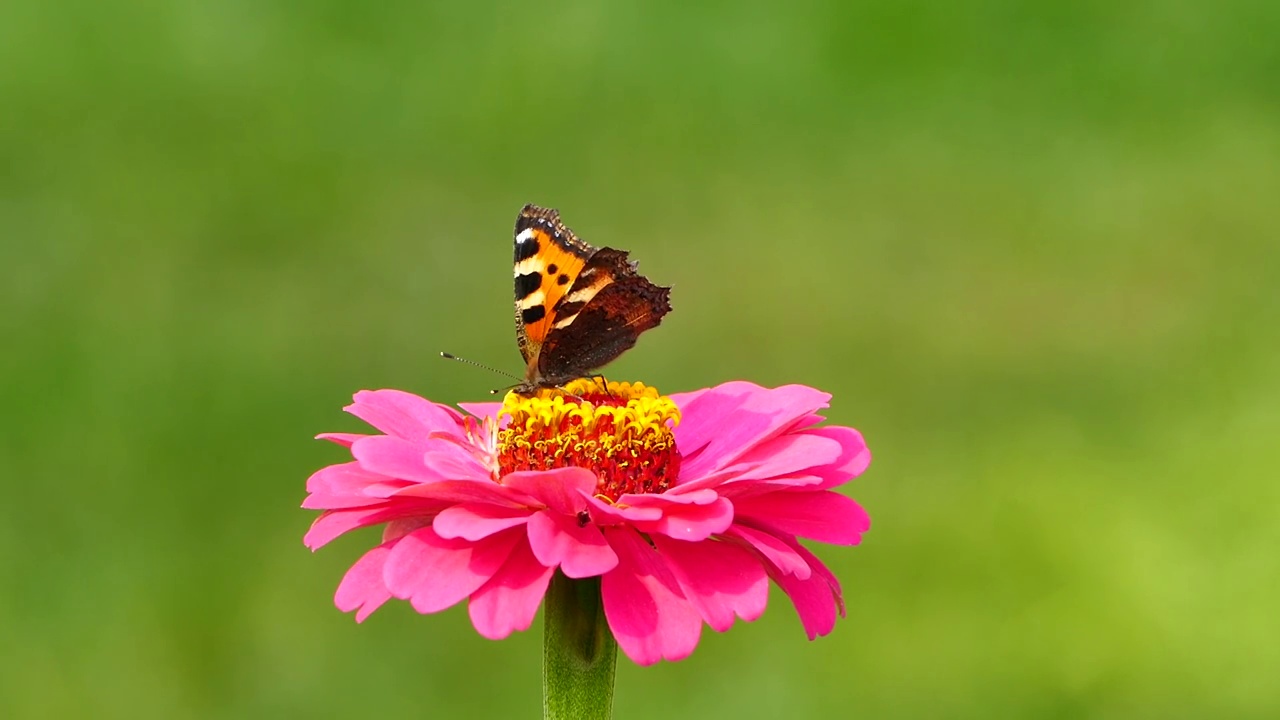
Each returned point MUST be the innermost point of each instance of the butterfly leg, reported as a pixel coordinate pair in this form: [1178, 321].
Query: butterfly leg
[566, 393]
[604, 382]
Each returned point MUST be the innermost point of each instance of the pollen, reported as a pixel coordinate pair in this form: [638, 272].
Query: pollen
[620, 431]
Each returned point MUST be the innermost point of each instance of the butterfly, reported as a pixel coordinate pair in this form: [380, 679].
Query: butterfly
[578, 307]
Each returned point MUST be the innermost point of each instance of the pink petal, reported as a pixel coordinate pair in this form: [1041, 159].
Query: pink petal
[452, 457]
[397, 529]
[686, 496]
[333, 523]
[475, 521]
[362, 588]
[343, 439]
[434, 573]
[510, 600]
[578, 550]
[736, 490]
[372, 494]
[824, 515]
[710, 481]
[821, 570]
[813, 602]
[342, 479]
[403, 415]
[603, 513]
[320, 501]
[642, 602]
[732, 482]
[787, 455]
[563, 490]
[465, 491]
[721, 580]
[853, 460]
[347, 485]
[703, 417]
[775, 551]
[688, 517]
[817, 599]
[482, 409]
[722, 425]
[393, 457]
[682, 400]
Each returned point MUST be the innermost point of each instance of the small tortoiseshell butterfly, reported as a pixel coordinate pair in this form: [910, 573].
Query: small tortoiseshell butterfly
[577, 307]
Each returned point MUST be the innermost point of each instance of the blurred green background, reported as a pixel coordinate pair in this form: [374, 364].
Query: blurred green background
[1032, 248]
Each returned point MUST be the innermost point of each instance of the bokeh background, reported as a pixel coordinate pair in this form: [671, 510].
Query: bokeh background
[1032, 248]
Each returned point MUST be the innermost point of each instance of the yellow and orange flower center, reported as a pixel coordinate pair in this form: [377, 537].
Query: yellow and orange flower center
[620, 431]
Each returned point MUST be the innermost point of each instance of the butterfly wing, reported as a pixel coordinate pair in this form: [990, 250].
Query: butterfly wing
[548, 261]
[601, 317]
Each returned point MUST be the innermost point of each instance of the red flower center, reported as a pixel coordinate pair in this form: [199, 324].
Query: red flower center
[622, 432]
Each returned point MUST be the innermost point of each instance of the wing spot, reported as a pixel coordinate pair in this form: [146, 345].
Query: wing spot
[526, 246]
[537, 297]
[552, 269]
[563, 279]
[527, 284]
[532, 315]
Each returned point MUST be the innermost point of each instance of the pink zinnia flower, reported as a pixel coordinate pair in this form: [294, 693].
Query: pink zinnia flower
[683, 506]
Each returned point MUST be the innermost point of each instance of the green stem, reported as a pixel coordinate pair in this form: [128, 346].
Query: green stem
[579, 654]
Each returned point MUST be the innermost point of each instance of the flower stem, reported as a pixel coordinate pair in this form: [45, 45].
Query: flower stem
[579, 654]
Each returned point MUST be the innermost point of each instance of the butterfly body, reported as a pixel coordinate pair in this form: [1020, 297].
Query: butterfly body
[577, 307]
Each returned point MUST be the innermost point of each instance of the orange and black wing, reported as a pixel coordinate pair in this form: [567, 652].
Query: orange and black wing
[548, 261]
[600, 318]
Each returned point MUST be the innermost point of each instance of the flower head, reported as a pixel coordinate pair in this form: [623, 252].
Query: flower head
[684, 506]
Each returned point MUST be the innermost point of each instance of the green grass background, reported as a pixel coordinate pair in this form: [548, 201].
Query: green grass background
[1032, 248]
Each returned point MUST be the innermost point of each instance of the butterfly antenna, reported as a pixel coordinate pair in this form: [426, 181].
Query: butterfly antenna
[450, 356]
